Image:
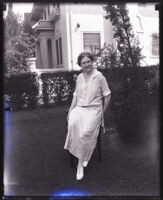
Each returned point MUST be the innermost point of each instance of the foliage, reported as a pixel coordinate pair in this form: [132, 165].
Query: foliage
[127, 43]
[130, 88]
[58, 87]
[21, 91]
[28, 28]
[107, 57]
[144, 94]
[18, 44]
[152, 81]
[138, 101]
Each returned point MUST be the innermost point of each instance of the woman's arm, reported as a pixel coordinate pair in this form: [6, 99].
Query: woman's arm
[106, 102]
[106, 93]
[73, 104]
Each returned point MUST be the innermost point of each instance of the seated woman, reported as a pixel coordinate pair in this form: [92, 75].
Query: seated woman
[86, 112]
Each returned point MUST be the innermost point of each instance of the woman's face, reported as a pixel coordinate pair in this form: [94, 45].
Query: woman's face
[86, 64]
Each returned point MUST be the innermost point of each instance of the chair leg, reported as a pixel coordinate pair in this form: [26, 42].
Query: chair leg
[99, 145]
[72, 164]
[72, 160]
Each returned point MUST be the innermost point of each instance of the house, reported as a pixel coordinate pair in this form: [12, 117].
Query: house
[145, 22]
[64, 30]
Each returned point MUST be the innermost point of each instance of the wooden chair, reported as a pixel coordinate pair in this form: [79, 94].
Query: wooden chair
[98, 146]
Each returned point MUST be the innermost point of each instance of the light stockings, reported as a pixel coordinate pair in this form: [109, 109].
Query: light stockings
[80, 170]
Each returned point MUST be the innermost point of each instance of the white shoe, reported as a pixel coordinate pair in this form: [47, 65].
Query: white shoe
[85, 163]
[80, 174]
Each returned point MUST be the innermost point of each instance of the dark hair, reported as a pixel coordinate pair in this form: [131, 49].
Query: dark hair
[82, 55]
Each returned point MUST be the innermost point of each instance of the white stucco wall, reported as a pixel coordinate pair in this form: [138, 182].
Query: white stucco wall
[91, 20]
[88, 23]
[150, 26]
[149, 19]
[60, 27]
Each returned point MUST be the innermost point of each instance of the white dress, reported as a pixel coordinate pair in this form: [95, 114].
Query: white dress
[85, 119]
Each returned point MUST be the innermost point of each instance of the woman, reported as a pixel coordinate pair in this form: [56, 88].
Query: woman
[86, 112]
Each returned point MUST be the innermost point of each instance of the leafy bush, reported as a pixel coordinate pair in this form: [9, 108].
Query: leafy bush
[19, 44]
[130, 87]
[58, 87]
[107, 57]
[152, 79]
[21, 91]
[142, 95]
[127, 43]
[132, 91]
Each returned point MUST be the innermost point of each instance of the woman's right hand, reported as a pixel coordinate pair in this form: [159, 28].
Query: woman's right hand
[73, 105]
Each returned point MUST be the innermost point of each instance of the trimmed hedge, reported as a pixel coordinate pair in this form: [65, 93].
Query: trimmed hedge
[21, 91]
[58, 87]
[130, 87]
[132, 77]
[127, 85]
[134, 95]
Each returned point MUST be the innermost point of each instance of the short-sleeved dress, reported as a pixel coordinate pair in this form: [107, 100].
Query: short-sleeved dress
[85, 119]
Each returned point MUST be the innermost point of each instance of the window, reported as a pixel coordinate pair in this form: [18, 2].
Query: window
[44, 15]
[50, 60]
[139, 27]
[56, 5]
[48, 10]
[51, 8]
[155, 45]
[91, 42]
[59, 51]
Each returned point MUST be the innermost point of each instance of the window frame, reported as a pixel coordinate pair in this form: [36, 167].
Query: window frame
[44, 15]
[50, 53]
[154, 56]
[59, 52]
[48, 10]
[139, 20]
[91, 32]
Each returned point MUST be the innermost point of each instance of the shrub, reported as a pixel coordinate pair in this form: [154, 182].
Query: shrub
[152, 79]
[58, 87]
[21, 91]
[129, 86]
[127, 43]
[146, 84]
[107, 57]
[132, 89]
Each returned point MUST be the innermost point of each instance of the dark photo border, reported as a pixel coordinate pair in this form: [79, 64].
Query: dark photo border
[3, 7]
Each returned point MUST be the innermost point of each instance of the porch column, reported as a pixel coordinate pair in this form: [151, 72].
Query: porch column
[38, 56]
[44, 53]
[54, 53]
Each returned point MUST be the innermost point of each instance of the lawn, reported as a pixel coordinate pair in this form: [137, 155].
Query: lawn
[36, 163]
